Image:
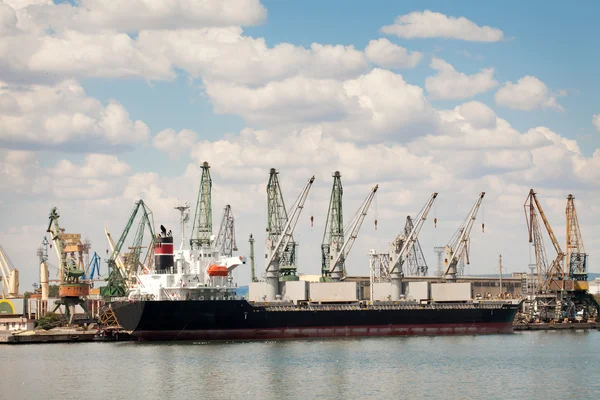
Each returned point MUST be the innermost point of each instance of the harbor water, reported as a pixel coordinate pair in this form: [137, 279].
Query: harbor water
[527, 365]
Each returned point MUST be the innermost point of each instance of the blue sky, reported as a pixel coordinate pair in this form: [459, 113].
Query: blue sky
[249, 108]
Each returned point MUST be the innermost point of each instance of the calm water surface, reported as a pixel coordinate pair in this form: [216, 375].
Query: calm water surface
[532, 365]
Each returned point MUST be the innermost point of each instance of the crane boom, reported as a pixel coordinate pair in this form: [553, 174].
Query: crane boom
[409, 241]
[225, 241]
[458, 244]
[119, 277]
[338, 257]
[275, 251]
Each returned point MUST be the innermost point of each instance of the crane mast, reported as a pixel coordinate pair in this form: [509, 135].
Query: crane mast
[277, 250]
[338, 257]
[202, 228]
[334, 226]
[576, 255]
[459, 243]
[277, 217]
[396, 273]
[225, 242]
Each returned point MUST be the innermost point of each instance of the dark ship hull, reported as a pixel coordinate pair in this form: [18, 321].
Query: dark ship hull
[239, 320]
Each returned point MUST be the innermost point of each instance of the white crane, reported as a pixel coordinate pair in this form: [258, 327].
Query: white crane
[337, 257]
[9, 276]
[276, 250]
[396, 272]
[459, 243]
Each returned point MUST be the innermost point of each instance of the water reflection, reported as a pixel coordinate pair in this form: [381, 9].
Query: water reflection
[549, 365]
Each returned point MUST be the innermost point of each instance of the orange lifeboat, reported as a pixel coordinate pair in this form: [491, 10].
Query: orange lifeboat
[216, 270]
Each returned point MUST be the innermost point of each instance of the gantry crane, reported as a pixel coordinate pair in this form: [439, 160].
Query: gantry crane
[9, 276]
[458, 246]
[339, 254]
[576, 255]
[408, 245]
[334, 226]
[122, 270]
[277, 217]
[69, 250]
[225, 242]
[202, 229]
[552, 277]
[276, 251]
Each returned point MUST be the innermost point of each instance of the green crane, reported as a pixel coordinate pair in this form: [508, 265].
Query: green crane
[120, 276]
[334, 227]
[202, 229]
[277, 218]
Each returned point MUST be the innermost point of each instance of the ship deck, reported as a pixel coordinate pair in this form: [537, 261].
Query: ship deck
[391, 306]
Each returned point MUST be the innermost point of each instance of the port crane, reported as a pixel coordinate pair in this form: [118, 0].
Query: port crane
[334, 226]
[276, 251]
[458, 246]
[415, 264]
[9, 276]
[576, 255]
[552, 277]
[277, 217]
[408, 245]
[202, 236]
[69, 250]
[225, 241]
[339, 254]
[122, 270]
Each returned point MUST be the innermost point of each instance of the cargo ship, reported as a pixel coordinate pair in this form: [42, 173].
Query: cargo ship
[207, 320]
[189, 294]
[183, 299]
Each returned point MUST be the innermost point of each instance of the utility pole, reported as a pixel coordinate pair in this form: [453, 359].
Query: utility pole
[500, 268]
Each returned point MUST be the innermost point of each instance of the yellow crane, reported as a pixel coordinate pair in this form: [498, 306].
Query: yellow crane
[9, 276]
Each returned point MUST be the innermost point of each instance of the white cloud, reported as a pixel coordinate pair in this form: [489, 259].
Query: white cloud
[596, 121]
[8, 20]
[379, 104]
[527, 94]
[389, 55]
[95, 166]
[135, 15]
[450, 84]
[63, 115]
[175, 143]
[428, 24]
[226, 54]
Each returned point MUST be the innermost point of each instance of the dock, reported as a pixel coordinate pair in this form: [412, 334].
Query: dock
[59, 336]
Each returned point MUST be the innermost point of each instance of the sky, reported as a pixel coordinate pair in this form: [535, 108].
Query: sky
[104, 103]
